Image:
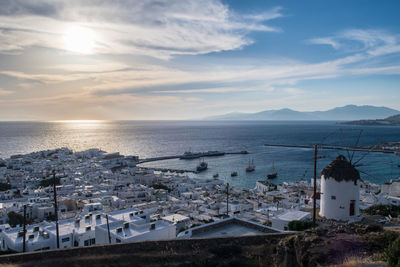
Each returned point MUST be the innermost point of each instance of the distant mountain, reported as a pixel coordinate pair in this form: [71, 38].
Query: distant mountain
[346, 113]
[392, 120]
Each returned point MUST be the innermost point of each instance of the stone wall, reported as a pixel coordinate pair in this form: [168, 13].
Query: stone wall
[227, 251]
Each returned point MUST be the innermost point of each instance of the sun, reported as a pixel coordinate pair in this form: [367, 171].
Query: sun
[80, 40]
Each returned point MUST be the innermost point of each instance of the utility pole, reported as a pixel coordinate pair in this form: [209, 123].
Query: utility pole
[227, 199]
[24, 229]
[315, 185]
[56, 208]
[108, 229]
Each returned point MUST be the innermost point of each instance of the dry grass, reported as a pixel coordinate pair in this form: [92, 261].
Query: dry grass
[355, 261]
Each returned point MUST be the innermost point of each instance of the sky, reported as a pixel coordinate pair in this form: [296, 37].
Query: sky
[159, 59]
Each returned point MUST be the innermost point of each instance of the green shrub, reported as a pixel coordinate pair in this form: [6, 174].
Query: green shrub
[161, 186]
[383, 210]
[15, 219]
[48, 182]
[5, 186]
[299, 225]
[392, 254]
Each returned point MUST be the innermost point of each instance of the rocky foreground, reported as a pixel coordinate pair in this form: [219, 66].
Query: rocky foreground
[335, 244]
[327, 245]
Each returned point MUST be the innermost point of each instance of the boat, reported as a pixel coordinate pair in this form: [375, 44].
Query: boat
[202, 166]
[234, 174]
[272, 174]
[216, 175]
[251, 167]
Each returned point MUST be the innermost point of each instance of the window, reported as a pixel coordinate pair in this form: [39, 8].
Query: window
[117, 240]
[76, 244]
[333, 197]
[66, 239]
[86, 243]
[92, 241]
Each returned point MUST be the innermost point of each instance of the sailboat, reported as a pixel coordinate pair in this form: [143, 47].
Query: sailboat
[251, 166]
[273, 174]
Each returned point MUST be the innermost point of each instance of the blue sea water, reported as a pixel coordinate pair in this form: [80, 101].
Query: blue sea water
[161, 138]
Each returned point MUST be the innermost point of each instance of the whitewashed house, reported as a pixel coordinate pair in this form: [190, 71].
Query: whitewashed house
[282, 220]
[121, 232]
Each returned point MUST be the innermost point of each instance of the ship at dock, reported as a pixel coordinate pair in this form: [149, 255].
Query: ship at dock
[202, 166]
[191, 155]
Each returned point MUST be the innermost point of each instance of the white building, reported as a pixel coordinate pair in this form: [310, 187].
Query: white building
[282, 220]
[340, 191]
[179, 220]
[392, 188]
[36, 238]
[121, 232]
[264, 186]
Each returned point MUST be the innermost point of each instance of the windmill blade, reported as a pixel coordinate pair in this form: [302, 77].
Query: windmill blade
[344, 142]
[363, 156]
[326, 137]
[356, 144]
[378, 164]
[368, 174]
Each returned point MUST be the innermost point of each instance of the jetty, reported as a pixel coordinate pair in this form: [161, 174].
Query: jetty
[168, 170]
[193, 156]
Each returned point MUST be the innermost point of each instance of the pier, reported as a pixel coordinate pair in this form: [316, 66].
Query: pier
[348, 148]
[168, 170]
[193, 156]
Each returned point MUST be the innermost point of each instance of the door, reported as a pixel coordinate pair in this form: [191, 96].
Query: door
[352, 207]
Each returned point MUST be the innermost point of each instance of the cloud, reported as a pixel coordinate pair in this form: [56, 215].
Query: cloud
[371, 42]
[157, 28]
[5, 92]
[325, 41]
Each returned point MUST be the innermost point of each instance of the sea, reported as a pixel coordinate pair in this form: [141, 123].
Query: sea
[148, 139]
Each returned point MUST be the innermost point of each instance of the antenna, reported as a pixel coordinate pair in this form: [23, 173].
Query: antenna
[108, 230]
[24, 229]
[56, 208]
[227, 199]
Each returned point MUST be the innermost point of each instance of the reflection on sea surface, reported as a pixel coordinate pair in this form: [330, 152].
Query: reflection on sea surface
[162, 138]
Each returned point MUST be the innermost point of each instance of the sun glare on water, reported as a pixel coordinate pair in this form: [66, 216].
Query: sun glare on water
[79, 39]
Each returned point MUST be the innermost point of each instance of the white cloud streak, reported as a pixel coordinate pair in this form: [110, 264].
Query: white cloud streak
[156, 28]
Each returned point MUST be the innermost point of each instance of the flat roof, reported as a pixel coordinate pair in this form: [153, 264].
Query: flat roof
[229, 230]
[175, 218]
[231, 227]
[292, 215]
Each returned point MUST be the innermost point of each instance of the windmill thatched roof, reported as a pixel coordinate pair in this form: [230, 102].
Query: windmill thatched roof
[341, 170]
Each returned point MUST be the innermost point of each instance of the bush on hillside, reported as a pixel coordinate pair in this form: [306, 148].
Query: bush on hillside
[383, 210]
[392, 254]
[299, 225]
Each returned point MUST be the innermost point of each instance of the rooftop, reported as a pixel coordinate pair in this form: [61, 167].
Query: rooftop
[229, 227]
[292, 215]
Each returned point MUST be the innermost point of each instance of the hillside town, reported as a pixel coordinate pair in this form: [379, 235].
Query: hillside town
[106, 198]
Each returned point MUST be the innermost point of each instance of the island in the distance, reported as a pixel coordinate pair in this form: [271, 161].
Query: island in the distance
[391, 121]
